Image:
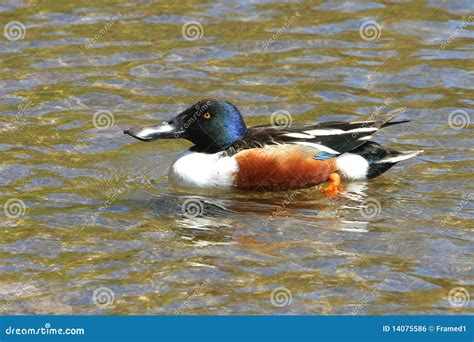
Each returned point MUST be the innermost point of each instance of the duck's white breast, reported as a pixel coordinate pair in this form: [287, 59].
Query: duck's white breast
[204, 170]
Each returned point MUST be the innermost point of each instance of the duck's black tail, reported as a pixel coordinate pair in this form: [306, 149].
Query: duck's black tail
[370, 160]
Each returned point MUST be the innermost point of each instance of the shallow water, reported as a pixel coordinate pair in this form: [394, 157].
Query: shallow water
[394, 245]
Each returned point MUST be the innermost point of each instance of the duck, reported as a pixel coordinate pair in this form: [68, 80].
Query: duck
[226, 154]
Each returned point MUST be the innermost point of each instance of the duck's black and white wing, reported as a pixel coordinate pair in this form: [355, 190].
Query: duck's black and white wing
[333, 137]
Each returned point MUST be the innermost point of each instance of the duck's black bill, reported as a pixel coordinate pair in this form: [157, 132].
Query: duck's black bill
[150, 133]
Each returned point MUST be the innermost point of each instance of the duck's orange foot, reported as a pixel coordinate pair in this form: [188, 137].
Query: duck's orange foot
[334, 186]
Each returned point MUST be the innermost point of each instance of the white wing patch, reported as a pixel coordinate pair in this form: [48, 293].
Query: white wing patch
[316, 146]
[311, 134]
[363, 130]
[315, 132]
[299, 135]
[405, 155]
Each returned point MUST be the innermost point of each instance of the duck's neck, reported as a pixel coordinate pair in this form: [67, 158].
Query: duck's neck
[232, 137]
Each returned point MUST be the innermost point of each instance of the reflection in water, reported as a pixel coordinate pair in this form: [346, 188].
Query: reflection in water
[99, 213]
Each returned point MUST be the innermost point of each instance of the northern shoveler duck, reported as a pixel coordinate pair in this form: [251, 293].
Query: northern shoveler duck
[228, 154]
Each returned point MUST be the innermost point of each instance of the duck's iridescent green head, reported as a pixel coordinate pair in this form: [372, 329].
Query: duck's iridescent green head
[212, 125]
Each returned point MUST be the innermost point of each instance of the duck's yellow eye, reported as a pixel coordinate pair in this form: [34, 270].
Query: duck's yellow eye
[207, 115]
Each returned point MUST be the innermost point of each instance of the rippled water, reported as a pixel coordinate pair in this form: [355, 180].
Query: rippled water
[394, 245]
